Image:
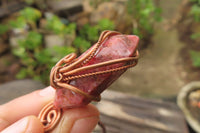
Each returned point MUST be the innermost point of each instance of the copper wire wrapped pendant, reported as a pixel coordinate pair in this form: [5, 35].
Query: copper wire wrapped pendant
[80, 80]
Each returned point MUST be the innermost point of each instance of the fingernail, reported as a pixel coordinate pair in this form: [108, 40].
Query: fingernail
[85, 125]
[18, 127]
[49, 91]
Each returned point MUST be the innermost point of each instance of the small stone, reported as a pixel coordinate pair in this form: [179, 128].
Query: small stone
[115, 12]
[54, 40]
[13, 40]
[104, 10]
[61, 5]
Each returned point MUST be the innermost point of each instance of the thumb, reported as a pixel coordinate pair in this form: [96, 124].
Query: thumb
[78, 120]
[29, 124]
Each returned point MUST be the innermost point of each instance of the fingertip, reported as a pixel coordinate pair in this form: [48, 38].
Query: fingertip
[85, 125]
[34, 126]
[26, 105]
[78, 120]
[87, 122]
[29, 124]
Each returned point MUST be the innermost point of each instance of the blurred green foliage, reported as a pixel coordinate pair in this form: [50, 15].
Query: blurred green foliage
[195, 56]
[36, 59]
[30, 14]
[26, 16]
[32, 41]
[95, 3]
[195, 36]
[3, 29]
[19, 22]
[145, 13]
[54, 24]
[105, 24]
[198, 1]
[195, 12]
[82, 44]
[90, 34]
[29, 2]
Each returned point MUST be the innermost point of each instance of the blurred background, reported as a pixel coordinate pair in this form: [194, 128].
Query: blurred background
[35, 34]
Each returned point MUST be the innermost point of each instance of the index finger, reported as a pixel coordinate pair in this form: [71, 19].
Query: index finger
[29, 104]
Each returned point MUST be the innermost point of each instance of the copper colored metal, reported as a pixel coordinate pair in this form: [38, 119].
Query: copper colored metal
[49, 116]
[62, 73]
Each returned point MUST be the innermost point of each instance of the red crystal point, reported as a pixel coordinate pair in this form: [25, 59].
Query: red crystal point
[114, 47]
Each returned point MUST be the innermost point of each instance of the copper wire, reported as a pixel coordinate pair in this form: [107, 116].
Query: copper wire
[49, 116]
[66, 69]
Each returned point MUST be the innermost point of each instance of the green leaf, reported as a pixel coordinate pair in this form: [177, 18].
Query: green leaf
[37, 77]
[63, 50]
[70, 28]
[137, 32]
[3, 29]
[20, 52]
[195, 56]
[82, 44]
[29, 62]
[145, 13]
[32, 41]
[83, 31]
[29, 2]
[43, 56]
[195, 36]
[30, 14]
[91, 33]
[130, 8]
[22, 74]
[195, 11]
[157, 15]
[20, 22]
[197, 1]
[54, 24]
[59, 52]
[106, 24]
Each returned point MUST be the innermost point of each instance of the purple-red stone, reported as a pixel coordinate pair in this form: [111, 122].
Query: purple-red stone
[115, 47]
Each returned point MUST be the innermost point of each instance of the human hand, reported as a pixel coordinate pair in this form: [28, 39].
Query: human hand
[19, 115]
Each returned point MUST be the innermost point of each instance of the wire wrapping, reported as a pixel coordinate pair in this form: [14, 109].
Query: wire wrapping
[67, 68]
[49, 116]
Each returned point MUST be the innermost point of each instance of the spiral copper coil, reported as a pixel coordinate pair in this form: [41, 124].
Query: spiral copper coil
[69, 65]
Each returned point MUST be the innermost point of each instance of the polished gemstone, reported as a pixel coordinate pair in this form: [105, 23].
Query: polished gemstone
[114, 47]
